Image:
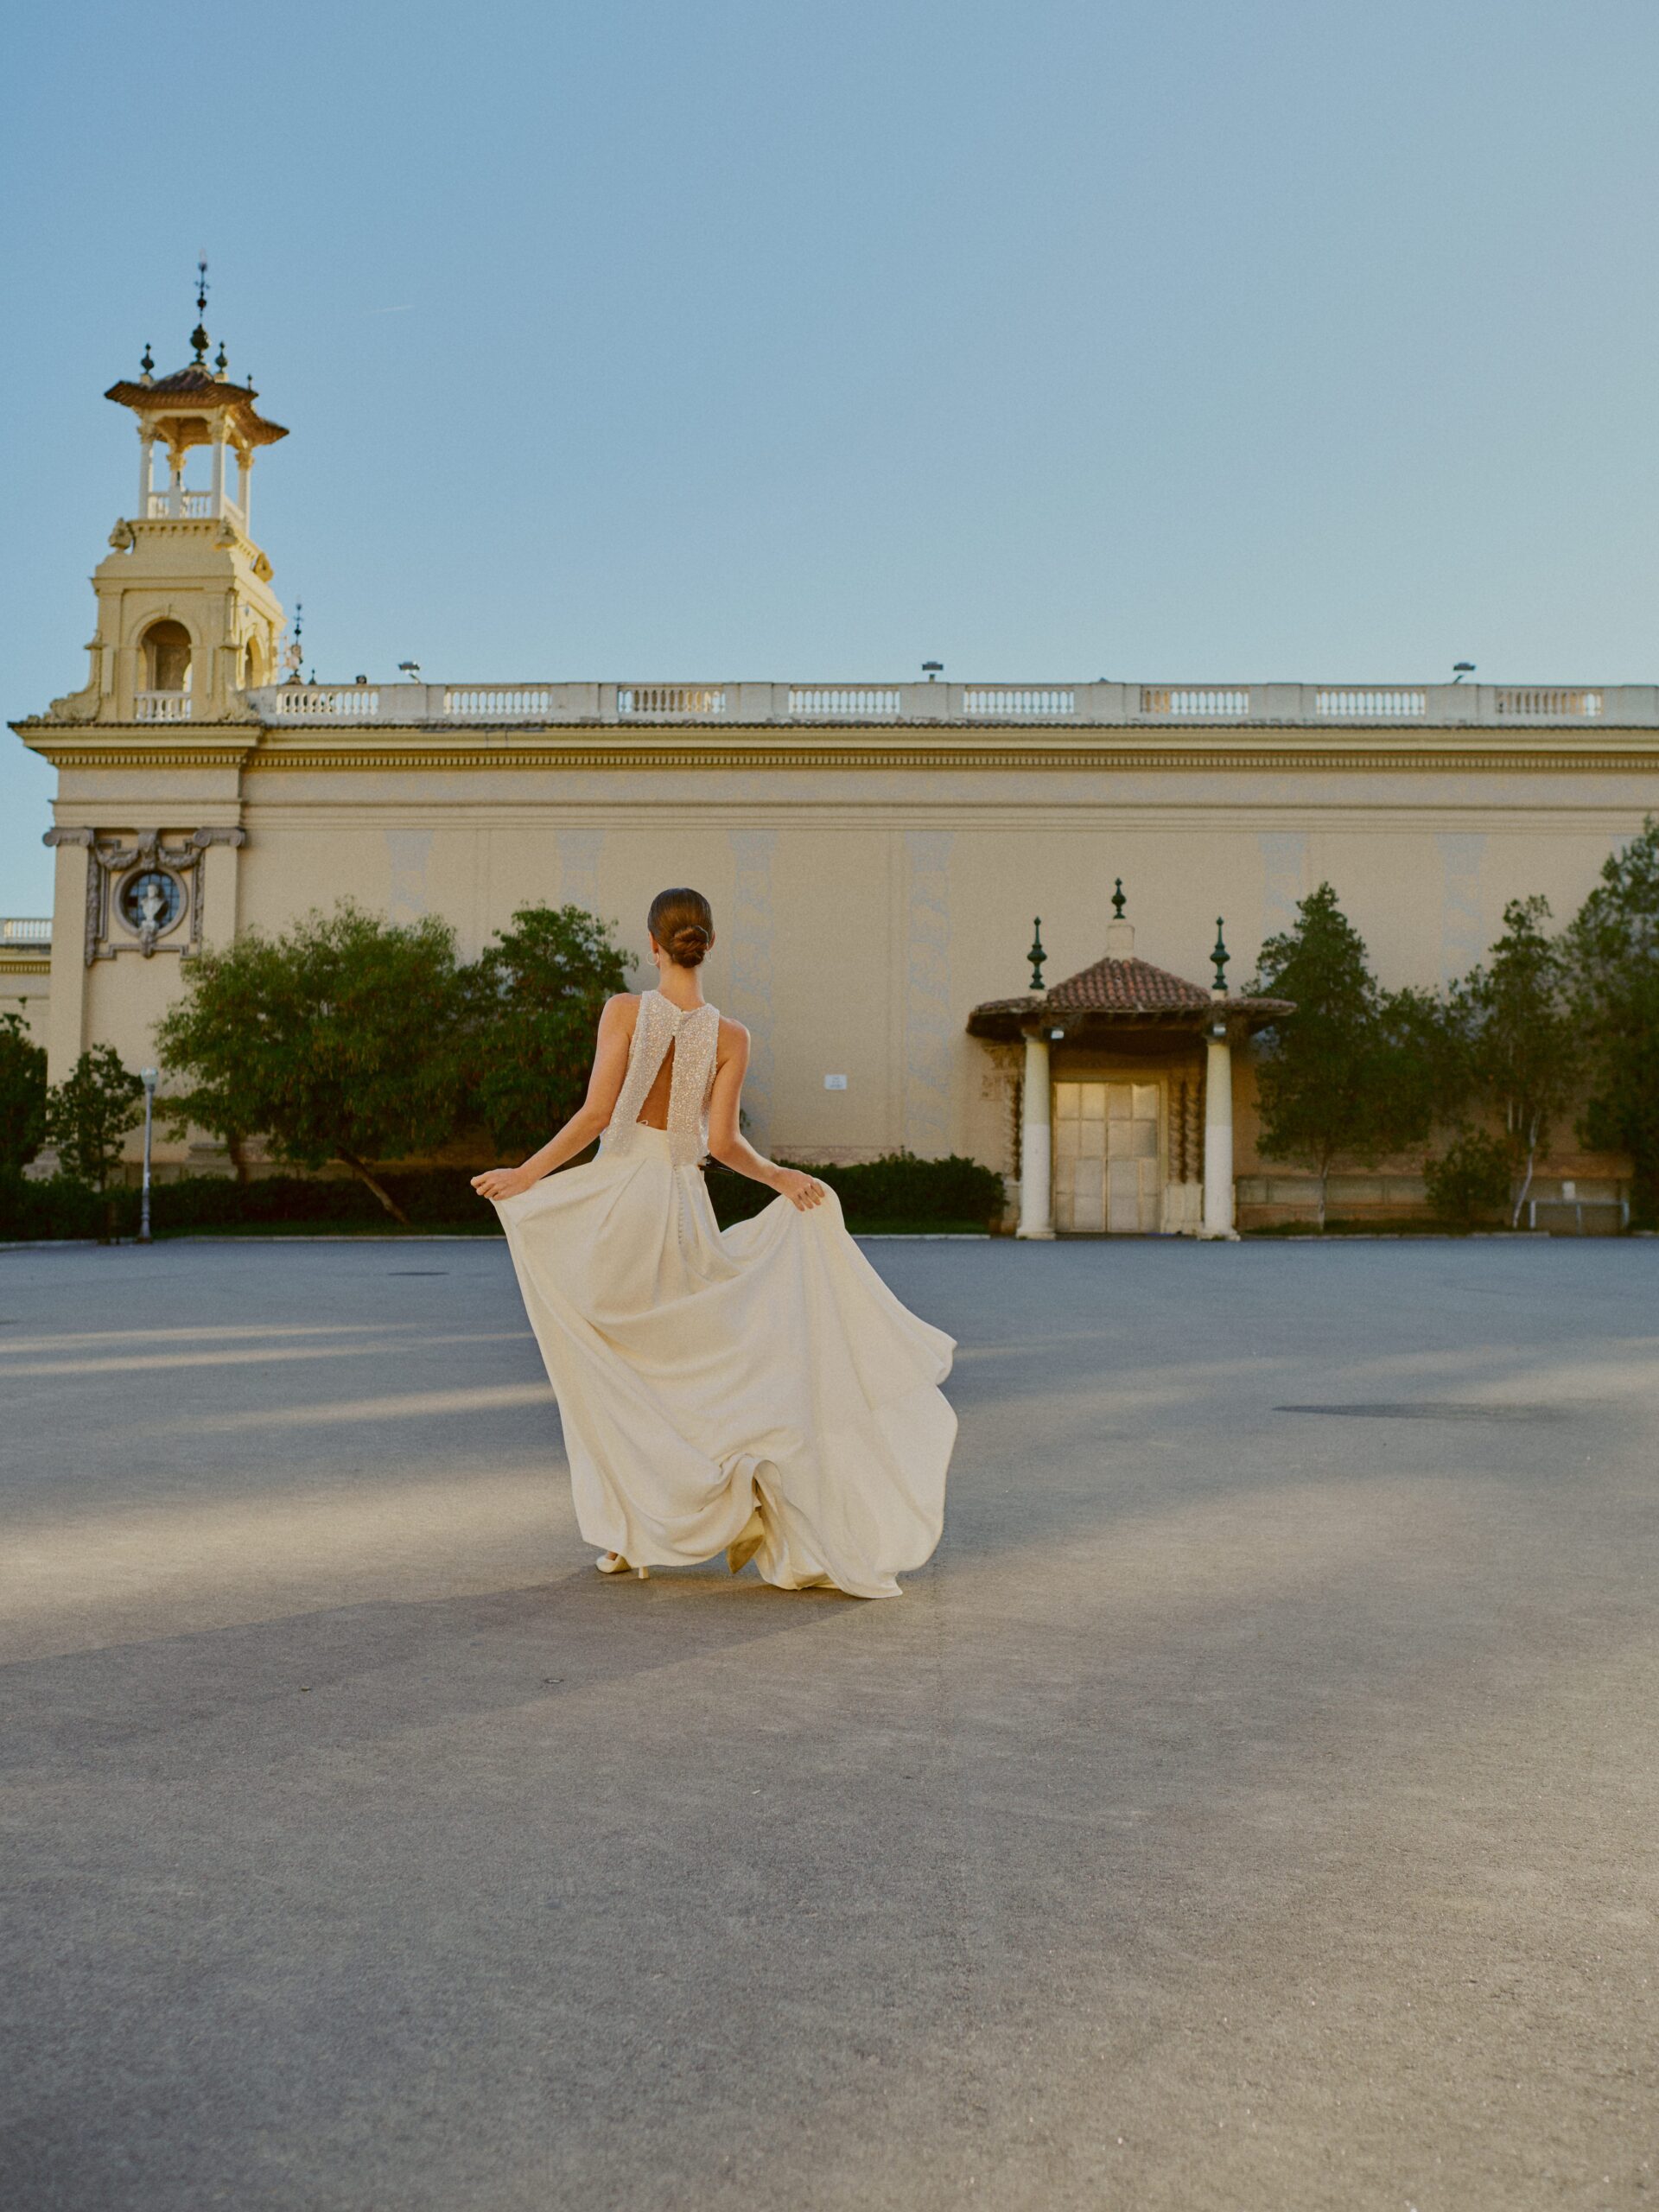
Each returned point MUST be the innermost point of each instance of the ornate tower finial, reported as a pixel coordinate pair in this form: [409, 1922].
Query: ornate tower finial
[148, 365]
[294, 654]
[1117, 899]
[1219, 958]
[1037, 955]
[221, 362]
[198, 337]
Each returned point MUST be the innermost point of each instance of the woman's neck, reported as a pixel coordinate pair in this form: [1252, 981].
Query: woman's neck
[680, 987]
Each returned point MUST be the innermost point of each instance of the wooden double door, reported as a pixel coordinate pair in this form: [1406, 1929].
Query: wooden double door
[1109, 1174]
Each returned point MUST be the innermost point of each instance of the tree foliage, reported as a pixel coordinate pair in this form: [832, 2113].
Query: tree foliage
[1613, 944]
[1471, 1179]
[90, 1112]
[23, 1096]
[1354, 1073]
[534, 1000]
[340, 1040]
[1519, 1036]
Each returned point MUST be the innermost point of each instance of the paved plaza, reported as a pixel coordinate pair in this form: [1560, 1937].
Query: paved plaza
[1254, 1805]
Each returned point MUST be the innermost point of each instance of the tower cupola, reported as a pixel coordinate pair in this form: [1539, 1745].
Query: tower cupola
[186, 619]
[197, 405]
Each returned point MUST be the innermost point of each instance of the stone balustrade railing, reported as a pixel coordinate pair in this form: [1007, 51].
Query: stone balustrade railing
[1110, 705]
[25, 929]
[162, 706]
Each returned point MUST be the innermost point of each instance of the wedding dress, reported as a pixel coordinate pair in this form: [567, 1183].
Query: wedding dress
[702, 1373]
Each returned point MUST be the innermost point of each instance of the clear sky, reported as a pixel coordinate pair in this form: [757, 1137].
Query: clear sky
[708, 338]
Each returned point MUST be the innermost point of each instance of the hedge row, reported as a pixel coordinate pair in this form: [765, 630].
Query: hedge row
[950, 1193]
[432, 1197]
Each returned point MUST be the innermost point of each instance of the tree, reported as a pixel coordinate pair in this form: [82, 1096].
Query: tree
[90, 1112]
[535, 997]
[1353, 1073]
[1521, 1036]
[1613, 944]
[1473, 1178]
[342, 1039]
[23, 1096]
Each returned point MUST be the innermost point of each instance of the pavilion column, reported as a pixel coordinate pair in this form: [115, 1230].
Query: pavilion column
[1218, 1136]
[1036, 1161]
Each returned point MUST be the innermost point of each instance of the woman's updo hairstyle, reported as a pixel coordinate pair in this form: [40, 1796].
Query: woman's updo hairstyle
[683, 923]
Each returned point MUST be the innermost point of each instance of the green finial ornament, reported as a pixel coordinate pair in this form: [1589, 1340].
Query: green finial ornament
[1219, 958]
[1118, 900]
[198, 337]
[1037, 955]
[148, 365]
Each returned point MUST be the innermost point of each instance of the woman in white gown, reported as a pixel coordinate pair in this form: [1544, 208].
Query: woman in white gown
[757, 1390]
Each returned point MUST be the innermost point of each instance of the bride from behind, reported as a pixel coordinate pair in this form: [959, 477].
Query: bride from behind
[757, 1390]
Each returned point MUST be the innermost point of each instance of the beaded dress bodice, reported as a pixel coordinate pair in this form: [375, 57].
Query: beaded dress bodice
[694, 1037]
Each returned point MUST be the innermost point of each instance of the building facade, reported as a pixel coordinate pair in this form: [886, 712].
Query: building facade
[875, 852]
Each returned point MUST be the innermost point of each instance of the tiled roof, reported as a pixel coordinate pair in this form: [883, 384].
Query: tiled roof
[1120, 986]
[198, 382]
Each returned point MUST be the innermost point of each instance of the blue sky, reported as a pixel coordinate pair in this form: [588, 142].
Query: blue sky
[619, 339]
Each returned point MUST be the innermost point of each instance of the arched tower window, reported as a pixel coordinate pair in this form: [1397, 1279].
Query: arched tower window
[253, 672]
[167, 657]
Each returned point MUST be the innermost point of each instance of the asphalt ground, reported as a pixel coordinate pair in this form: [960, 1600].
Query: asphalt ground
[1254, 1805]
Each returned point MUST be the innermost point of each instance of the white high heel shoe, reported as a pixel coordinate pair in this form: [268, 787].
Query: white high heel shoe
[613, 1563]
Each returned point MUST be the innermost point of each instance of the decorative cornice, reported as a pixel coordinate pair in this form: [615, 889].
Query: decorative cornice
[748, 747]
[140, 745]
[27, 963]
[411, 748]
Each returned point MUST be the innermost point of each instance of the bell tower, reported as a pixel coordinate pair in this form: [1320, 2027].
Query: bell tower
[186, 619]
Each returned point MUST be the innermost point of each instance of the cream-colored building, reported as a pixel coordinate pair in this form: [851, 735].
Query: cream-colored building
[875, 852]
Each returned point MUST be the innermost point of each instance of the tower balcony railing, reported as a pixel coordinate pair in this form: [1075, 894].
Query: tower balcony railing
[163, 707]
[26, 929]
[191, 506]
[1344, 706]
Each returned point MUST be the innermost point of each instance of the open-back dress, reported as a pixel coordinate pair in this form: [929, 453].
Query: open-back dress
[701, 1372]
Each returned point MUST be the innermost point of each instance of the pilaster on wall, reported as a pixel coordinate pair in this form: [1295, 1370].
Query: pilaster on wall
[66, 1028]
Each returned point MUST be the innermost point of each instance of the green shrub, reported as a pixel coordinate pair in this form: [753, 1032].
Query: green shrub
[62, 1207]
[1471, 1181]
[953, 1193]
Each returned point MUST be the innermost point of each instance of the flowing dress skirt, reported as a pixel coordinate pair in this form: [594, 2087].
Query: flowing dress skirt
[700, 1373]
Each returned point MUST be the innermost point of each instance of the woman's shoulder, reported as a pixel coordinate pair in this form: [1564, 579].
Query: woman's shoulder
[732, 1036]
[622, 1011]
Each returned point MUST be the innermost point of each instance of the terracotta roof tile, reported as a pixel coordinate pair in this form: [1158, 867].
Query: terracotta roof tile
[198, 382]
[1120, 986]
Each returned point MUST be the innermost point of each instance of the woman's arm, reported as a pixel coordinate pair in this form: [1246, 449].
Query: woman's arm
[726, 1142]
[616, 1022]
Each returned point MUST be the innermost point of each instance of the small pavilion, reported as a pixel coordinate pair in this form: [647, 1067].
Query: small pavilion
[1125, 1117]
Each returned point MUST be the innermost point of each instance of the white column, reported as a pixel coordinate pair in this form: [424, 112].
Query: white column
[146, 448]
[245, 484]
[1219, 1137]
[1036, 1159]
[219, 476]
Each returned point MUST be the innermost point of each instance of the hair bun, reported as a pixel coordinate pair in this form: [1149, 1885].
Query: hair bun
[681, 923]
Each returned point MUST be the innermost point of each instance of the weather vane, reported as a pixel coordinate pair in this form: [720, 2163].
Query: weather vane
[198, 337]
[294, 654]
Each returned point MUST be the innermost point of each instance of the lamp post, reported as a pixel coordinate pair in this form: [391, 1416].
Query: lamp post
[148, 1077]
